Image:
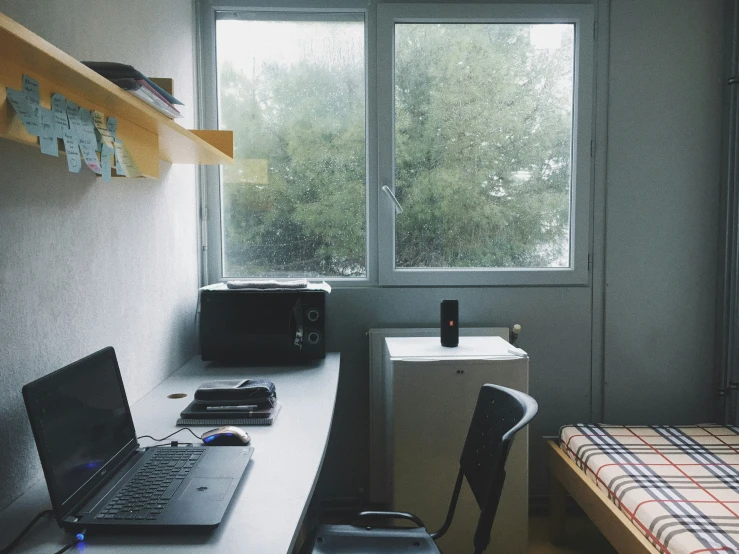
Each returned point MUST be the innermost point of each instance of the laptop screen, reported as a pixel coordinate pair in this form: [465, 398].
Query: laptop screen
[81, 421]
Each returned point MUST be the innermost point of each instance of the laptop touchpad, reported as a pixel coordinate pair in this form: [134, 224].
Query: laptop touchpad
[207, 489]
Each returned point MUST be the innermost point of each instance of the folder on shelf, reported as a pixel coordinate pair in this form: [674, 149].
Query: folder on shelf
[138, 84]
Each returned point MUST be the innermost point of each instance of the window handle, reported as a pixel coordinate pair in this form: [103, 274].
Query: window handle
[398, 207]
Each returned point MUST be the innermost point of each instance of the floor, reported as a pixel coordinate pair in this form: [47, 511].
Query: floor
[582, 537]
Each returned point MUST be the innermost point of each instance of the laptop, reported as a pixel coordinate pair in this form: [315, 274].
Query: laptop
[97, 474]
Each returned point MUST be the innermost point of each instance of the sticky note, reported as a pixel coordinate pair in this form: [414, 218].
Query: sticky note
[89, 134]
[104, 136]
[25, 110]
[132, 168]
[30, 89]
[105, 156]
[105, 165]
[118, 167]
[88, 140]
[47, 138]
[35, 110]
[112, 126]
[59, 107]
[73, 114]
[126, 160]
[98, 118]
[86, 121]
[88, 127]
[72, 149]
[87, 146]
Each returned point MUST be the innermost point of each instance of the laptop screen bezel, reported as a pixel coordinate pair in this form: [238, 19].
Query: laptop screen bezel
[65, 506]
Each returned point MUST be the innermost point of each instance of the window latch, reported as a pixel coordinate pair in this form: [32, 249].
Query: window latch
[398, 207]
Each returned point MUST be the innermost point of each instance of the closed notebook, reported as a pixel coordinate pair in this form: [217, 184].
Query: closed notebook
[199, 414]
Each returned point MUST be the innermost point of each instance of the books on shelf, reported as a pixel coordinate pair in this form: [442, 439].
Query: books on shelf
[135, 82]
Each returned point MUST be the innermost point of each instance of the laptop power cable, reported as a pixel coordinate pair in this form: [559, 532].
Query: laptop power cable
[22, 534]
[165, 438]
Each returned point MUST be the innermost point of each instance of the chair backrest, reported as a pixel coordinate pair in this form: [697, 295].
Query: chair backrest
[500, 413]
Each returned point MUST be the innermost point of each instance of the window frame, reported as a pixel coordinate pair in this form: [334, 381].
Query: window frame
[379, 135]
[211, 230]
[582, 16]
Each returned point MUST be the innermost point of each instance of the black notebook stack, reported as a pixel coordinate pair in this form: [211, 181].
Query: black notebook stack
[233, 402]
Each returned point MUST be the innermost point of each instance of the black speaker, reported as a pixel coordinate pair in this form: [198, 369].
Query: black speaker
[449, 324]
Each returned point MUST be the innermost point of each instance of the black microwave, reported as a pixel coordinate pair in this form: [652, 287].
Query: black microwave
[262, 326]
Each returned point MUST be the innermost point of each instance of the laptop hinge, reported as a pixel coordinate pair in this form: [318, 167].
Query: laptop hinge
[78, 510]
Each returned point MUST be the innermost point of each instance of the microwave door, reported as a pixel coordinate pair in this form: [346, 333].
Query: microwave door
[297, 322]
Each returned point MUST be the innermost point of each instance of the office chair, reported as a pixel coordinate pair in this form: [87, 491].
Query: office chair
[499, 414]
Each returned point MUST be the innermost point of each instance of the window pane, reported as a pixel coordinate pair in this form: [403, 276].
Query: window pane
[483, 142]
[293, 203]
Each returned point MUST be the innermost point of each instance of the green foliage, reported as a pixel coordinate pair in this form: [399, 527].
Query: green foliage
[483, 132]
[308, 218]
[482, 143]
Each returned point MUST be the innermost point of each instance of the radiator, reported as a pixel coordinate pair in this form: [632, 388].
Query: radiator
[420, 410]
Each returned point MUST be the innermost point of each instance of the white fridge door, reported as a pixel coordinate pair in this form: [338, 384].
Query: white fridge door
[431, 406]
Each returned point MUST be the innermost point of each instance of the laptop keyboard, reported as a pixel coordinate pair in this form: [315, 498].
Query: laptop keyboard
[153, 485]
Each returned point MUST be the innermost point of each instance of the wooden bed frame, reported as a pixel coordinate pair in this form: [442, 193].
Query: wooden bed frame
[615, 526]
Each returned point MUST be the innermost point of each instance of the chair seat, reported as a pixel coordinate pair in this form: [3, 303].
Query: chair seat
[351, 539]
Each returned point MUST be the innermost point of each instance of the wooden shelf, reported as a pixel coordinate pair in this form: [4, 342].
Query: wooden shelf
[148, 135]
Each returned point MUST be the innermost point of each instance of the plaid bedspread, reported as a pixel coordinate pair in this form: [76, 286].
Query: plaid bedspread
[678, 485]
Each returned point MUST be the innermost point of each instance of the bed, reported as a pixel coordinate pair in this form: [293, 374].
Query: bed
[673, 490]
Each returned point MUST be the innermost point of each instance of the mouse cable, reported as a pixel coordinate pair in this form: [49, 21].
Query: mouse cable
[16, 540]
[78, 539]
[165, 438]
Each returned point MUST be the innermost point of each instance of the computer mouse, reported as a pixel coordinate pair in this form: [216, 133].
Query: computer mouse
[226, 436]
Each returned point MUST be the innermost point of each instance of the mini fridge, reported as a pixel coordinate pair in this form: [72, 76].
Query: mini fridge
[422, 399]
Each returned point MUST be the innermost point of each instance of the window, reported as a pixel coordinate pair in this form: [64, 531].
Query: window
[452, 149]
[292, 89]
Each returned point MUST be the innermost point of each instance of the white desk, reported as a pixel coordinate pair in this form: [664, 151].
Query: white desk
[268, 508]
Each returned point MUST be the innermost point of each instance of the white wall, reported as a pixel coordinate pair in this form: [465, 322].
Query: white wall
[86, 264]
[664, 144]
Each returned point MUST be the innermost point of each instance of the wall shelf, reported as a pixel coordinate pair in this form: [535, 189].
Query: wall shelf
[148, 135]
